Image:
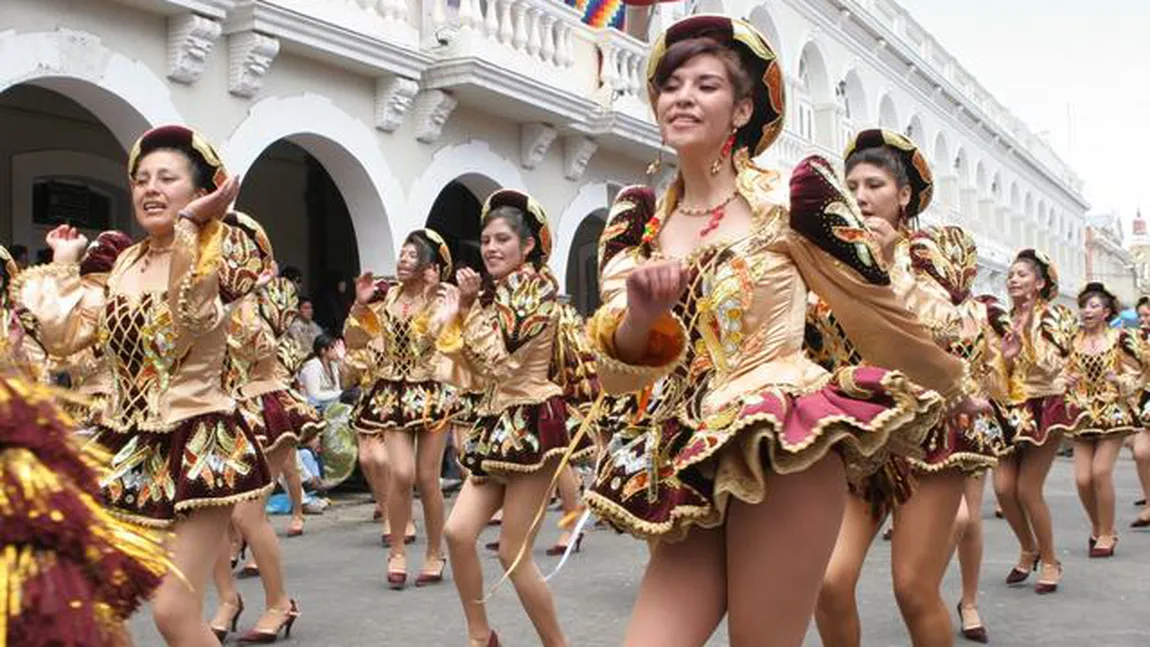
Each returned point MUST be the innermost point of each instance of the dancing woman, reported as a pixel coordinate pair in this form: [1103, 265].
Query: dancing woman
[931, 272]
[183, 455]
[745, 444]
[1103, 380]
[406, 406]
[505, 339]
[1142, 440]
[1033, 414]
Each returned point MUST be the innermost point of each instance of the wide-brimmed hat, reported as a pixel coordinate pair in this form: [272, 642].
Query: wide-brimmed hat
[181, 138]
[1096, 287]
[917, 168]
[536, 217]
[439, 248]
[759, 59]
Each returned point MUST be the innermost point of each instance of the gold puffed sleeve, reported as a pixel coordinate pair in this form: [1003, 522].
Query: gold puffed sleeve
[250, 338]
[212, 265]
[1131, 365]
[836, 256]
[621, 250]
[66, 307]
[362, 325]
[922, 295]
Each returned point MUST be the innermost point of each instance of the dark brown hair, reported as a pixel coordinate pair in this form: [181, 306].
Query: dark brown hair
[1030, 257]
[683, 51]
[424, 252]
[884, 158]
[1095, 289]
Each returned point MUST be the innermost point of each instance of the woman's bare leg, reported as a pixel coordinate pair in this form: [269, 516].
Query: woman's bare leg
[772, 587]
[177, 609]
[523, 495]
[1142, 464]
[1006, 489]
[401, 458]
[969, 531]
[228, 596]
[568, 487]
[1032, 472]
[429, 462]
[473, 508]
[1105, 456]
[836, 614]
[920, 551]
[294, 488]
[683, 595]
[373, 461]
[252, 520]
[1084, 480]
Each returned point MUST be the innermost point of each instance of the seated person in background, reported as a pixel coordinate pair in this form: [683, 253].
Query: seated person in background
[303, 329]
[319, 377]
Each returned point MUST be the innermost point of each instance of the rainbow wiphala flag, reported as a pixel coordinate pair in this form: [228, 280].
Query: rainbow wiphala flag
[601, 13]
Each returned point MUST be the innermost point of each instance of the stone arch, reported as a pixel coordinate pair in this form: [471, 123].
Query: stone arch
[942, 158]
[887, 113]
[980, 180]
[126, 95]
[915, 130]
[590, 198]
[471, 163]
[811, 64]
[348, 150]
[761, 18]
[852, 96]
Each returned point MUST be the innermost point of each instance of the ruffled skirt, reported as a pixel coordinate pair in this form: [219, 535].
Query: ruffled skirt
[522, 439]
[659, 479]
[281, 417]
[206, 460]
[1034, 421]
[72, 573]
[397, 405]
[962, 443]
[1104, 420]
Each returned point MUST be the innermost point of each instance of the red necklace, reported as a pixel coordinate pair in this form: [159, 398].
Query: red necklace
[716, 212]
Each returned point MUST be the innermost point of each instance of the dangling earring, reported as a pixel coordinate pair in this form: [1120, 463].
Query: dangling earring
[657, 164]
[717, 165]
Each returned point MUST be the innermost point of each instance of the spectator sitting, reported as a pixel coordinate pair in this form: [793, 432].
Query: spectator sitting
[320, 376]
[303, 329]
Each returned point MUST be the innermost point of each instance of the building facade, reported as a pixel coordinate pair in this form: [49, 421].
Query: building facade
[354, 122]
[1109, 260]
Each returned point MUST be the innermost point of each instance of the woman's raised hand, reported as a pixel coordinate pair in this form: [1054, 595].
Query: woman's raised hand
[214, 206]
[364, 288]
[654, 289]
[68, 245]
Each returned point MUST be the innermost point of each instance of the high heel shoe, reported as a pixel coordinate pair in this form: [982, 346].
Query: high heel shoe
[560, 549]
[396, 580]
[493, 640]
[492, 545]
[1018, 575]
[1140, 522]
[264, 636]
[1103, 551]
[222, 634]
[431, 577]
[1091, 542]
[1048, 585]
[295, 527]
[976, 632]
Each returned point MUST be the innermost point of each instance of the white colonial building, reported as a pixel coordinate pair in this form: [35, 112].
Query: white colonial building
[356, 121]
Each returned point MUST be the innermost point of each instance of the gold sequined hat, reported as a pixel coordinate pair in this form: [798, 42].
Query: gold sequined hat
[917, 170]
[760, 61]
[536, 217]
[183, 139]
[439, 248]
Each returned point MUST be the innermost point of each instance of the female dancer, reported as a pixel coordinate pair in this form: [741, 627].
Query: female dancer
[708, 290]
[406, 404]
[1142, 440]
[1103, 378]
[932, 273]
[508, 330]
[183, 455]
[258, 377]
[1033, 415]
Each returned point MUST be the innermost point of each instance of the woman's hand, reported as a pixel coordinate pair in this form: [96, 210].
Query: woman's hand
[885, 235]
[972, 407]
[364, 288]
[469, 283]
[1011, 345]
[213, 206]
[448, 309]
[68, 245]
[654, 289]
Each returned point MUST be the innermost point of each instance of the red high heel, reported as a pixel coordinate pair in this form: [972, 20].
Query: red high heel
[294, 529]
[263, 636]
[1048, 586]
[559, 549]
[396, 580]
[1017, 575]
[1103, 551]
[222, 634]
[493, 641]
[424, 578]
[974, 633]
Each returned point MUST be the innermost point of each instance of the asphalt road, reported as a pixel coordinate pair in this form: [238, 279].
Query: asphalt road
[336, 570]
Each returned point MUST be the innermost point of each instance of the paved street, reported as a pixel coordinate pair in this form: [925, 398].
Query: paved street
[336, 571]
